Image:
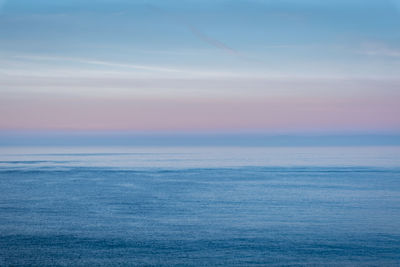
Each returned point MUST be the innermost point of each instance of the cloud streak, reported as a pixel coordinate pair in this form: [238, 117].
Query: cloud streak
[98, 62]
[196, 31]
[380, 50]
[207, 39]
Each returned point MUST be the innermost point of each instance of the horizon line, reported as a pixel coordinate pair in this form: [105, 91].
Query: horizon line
[59, 138]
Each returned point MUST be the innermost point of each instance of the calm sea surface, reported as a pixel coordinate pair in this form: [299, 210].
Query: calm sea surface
[209, 206]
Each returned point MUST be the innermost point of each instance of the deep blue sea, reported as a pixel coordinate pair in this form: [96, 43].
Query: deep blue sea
[199, 206]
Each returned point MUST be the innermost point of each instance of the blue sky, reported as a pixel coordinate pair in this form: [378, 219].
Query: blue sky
[358, 38]
[339, 59]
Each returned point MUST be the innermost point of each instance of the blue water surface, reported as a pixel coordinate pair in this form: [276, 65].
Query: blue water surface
[200, 206]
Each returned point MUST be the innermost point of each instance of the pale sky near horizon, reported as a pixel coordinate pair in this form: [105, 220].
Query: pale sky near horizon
[191, 65]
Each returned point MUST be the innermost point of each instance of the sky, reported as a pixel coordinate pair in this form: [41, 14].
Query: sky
[268, 66]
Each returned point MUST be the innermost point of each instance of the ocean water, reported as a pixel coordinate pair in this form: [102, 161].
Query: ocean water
[199, 206]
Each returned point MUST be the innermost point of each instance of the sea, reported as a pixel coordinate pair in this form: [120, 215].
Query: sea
[200, 206]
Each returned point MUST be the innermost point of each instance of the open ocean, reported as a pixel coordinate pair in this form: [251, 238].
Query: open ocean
[199, 206]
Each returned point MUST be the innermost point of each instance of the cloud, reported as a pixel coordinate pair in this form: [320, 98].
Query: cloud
[207, 39]
[111, 83]
[196, 31]
[98, 62]
[380, 49]
[49, 65]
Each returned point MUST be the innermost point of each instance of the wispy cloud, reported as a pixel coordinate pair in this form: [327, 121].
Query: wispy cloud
[98, 62]
[110, 82]
[380, 49]
[196, 31]
[47, 65]
[214, 42]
